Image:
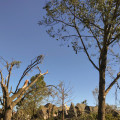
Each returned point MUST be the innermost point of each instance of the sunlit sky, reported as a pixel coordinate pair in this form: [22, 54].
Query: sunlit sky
[21, 38]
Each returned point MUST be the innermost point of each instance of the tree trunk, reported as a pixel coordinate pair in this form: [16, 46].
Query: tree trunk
[63, 111]
[8, 114]
[63, 104]
[101, 97]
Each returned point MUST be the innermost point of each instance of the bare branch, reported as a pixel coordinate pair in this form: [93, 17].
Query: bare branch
[1, 77]
[17, 100]
[33, 64]
[4, 60]
[10, 90]
[86, 49]
[5, 90]
[112, 83]
[9, 74]
[39, 69]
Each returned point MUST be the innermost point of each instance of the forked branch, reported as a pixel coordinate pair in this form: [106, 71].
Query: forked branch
[19, 94]
[32, 65]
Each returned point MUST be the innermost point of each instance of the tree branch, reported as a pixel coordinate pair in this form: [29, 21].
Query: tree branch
[41, 74]
[36, 91]
[25, 87]
[9, 75]
[86, 49]
[1, 77]
[114, 39]
[63, 22]
[33, 64]
[17, 100]
[10, 90]
[76, 28]
[112, 83]
[82, 20]
[98, 43]
[1, 101]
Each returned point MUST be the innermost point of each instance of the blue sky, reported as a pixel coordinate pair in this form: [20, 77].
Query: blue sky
[21, 38]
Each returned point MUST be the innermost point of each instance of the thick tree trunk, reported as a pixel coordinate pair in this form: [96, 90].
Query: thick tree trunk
[8, 114]
[101, 106]
[102, 95]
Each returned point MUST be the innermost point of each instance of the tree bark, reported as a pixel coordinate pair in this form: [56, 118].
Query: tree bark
[8, 114]
[63, 104]
[101, 98]
[102, 95]
[62, 111]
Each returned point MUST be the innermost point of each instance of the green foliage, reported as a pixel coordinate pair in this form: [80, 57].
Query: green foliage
[111, 117]
[93, 116]
[82, 24]
[84, 102]
[17, 63]
[92, 26]
[38, 90]
[88, 117]
[32, 99]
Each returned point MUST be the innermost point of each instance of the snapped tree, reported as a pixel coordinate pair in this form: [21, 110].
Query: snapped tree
[92, 26]
[32, 99]
[9, 98]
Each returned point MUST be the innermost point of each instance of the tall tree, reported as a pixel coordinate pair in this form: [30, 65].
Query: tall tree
[10, 98]
[31, 101]
[92, 26]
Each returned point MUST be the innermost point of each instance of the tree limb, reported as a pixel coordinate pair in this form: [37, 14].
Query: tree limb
[41, 74]
[33, 64]
[86, 49]
[114, 39]
[82, 20]
[25, 88]
[98, 43]
[9, 74]
[63, 22]
[112, 83]
[1, 77]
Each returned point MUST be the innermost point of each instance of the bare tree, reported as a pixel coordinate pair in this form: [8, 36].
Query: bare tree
[10, 98]
[95, 93]
[63, 96]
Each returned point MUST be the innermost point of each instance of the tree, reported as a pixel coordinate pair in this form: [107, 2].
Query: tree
[95, 94]
[31, 101]
[63, 96]
[9, 98]
[88, 25]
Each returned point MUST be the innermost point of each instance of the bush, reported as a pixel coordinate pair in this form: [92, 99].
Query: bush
[91, 116]
[111, 117]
